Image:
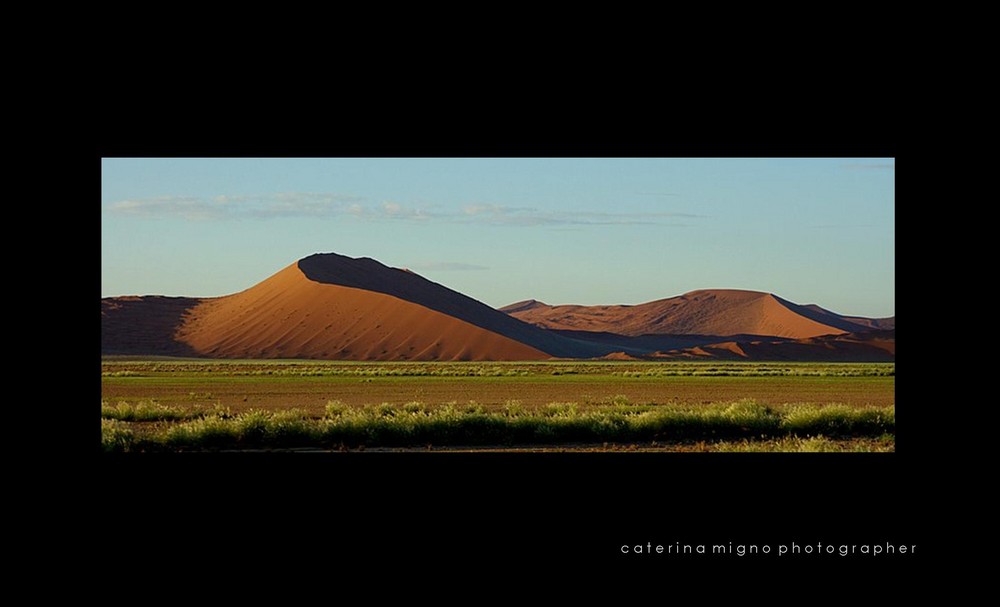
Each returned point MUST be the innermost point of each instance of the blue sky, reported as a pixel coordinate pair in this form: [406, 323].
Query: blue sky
[573, 230]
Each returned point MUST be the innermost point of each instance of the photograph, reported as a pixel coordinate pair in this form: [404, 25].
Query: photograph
[498, 304]
[638, 361]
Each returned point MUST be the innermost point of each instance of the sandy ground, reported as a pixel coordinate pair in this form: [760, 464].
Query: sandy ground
[312, 393]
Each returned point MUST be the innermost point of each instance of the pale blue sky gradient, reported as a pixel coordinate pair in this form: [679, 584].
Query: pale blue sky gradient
[583, 231]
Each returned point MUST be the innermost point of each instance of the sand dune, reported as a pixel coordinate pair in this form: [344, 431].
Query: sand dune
[721, 312]
[144, 325]
[291, 316]
[642, 344]
[620, 356]
[329, 306]
[871, 323]
[370, 275]
[869, 346]
[524, 306]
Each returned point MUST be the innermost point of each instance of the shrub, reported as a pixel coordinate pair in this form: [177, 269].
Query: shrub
[145, 410]
[116, 436]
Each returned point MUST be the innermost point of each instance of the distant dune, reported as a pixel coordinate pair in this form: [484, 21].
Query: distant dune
[720, 312]
[871, 323]
[329, 306]
[870, 346]
[524, 306]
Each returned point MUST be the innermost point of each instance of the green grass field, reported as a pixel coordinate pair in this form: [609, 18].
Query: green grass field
[157, 405]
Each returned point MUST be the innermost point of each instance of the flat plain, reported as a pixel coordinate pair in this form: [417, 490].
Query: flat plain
[156, 403]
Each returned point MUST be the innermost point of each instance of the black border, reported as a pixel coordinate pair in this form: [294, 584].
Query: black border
[572, 508]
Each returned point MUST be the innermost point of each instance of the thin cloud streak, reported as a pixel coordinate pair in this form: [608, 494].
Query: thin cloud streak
[527, 216]
[331, 206]
[263, 206]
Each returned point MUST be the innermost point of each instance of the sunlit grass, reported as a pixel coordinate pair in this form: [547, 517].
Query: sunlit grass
[746, 424]
[116, 436]
[144, 410]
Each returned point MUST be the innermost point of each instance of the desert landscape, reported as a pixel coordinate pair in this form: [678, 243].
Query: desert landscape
[333, 307]
[334, 353]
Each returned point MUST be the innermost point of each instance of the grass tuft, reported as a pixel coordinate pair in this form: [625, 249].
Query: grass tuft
[116, 436]
[839, 420]
[146, 410]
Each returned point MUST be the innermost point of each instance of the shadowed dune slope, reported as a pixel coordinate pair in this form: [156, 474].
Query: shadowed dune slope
[291, 315]
[371, 275]
[722, 312]
[888, 323]
[870, 346]
[144, 325]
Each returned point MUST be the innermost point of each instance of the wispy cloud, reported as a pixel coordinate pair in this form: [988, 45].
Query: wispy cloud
[447, 266]
[870, 166]
[527, 216]
[329, 206]
[262, 206]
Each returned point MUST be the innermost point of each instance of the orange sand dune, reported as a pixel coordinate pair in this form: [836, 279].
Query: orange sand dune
[721, 312]
[619, 356]
[524, 306]
[290, 316]
[370, 275]
[329, 306]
